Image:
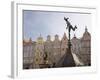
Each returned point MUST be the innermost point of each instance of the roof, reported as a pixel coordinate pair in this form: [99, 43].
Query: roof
[67, 60]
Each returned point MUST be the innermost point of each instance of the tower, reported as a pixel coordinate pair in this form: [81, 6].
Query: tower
[27, 54]
[64, 44]
[86, 48]
[75, 45]
[39, 51]
[56, 49]
[48, 47]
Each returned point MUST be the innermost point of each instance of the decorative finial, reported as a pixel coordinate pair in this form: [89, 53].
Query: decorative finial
[74, 36]
[56, 37]
[40, 34]
[48, 37]
[86, 29]
[30, 39]
[64, 34]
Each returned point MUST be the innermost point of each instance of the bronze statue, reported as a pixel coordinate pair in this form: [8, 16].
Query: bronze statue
[68, 58]
[69, 26]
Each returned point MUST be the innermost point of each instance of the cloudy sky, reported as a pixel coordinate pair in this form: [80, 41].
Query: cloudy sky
[52, 23]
